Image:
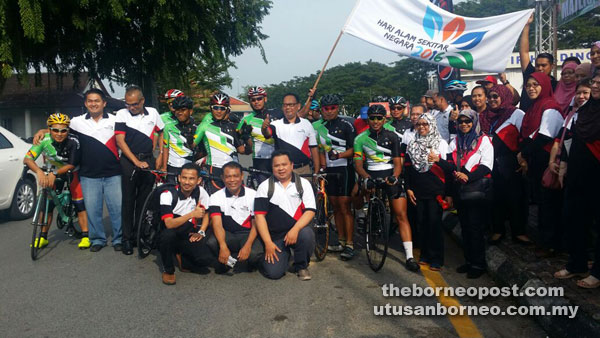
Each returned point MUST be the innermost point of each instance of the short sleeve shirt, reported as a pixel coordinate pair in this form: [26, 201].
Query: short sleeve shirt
[236, 211]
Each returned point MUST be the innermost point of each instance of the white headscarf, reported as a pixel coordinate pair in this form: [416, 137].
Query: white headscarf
[421, 146]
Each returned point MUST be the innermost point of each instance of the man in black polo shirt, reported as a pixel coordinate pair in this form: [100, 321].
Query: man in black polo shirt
[232, 218]
[134, 130]
[284, 206]
[181, 209]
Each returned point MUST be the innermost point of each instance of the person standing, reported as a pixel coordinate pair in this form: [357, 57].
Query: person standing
[178, 136]
[446, 114]
[135, 127]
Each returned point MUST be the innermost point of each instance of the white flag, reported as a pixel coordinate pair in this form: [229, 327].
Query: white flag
[423, 31]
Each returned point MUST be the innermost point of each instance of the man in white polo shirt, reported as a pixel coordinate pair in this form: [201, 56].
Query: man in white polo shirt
[231, 212]
[294, 135]
[283, 208]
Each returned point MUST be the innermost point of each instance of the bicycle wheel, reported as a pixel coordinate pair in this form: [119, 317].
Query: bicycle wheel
[37, 224]
[148, 227]
[321, 228]
[377, 234]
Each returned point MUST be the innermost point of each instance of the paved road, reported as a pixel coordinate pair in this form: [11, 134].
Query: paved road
[68, 292]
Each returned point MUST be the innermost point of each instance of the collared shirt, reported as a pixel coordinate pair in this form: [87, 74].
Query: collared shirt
[100, 157]
[139, 129]
[173, 203]
[285, 206]
[442, 119]
[236, 212]
[296, 138]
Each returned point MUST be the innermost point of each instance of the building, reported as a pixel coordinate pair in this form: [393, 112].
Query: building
[25, 104]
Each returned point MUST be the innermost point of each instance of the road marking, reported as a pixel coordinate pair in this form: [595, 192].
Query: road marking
[463, 325]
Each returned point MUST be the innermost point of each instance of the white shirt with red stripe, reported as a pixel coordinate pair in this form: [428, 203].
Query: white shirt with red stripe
[510, 131]
[481, 154]
[139, 129]
[183, 205]
[297, 138]
[236, 212]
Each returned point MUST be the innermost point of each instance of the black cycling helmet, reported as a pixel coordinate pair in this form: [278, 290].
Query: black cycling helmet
[330, 100]
[376, 109]
[395, 100]
[181, 102]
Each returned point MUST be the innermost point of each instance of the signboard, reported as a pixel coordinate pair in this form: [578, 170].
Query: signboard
[571, 9]
[582, 54]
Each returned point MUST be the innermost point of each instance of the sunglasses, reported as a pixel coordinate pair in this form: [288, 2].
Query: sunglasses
[376, 118]
[422, 125]
[330, 108]
[255, 99]
[494, 96]
[223, 108]
[60, 131]
[464, 121]
[396, 108]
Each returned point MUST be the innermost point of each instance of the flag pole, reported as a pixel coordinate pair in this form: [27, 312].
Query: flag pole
[314, 87]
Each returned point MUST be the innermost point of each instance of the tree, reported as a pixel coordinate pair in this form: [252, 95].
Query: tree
[358, 82]
[127, 41]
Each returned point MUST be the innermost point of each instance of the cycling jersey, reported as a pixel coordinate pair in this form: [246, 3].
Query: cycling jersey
[168, 118]
[220, 140]
[179, 139]
[338, 135]
[58, 154]
[263, 147]
[379, 149]
[398, 127]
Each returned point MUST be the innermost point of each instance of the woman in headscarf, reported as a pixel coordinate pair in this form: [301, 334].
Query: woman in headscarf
[565, 89]
[510, 198]
[425, 184]
[582, 187]
[467, 103]
[470, 159]
[583, 71]
[540, 127]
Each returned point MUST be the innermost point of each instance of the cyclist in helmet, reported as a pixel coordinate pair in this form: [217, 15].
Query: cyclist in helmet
[381, 148]
[178, 137]
[456, 88]
[221, 140]
[400, 121]
[314, 114]
[335, 138]
[250, 126]
[62, 151]
[167, 118]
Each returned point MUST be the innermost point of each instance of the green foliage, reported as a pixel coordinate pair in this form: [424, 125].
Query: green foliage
[130, 41]
[358, 82]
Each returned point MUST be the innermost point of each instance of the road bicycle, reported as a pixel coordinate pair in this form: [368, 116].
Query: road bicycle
[377, 230]
[60, 196]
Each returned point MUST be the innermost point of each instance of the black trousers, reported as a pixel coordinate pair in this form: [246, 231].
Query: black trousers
[472, 215]
[173, 178]
[177, 240]
[508, 202]
[135, 189]
[235, 242]
[429, 218]
[550, 218]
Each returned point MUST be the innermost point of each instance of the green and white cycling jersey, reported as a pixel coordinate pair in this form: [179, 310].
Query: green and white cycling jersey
[179, 139]
[168, 117]
[58, 154]
[220, 141]
[379, 148]
[337, 135]
[262, 147]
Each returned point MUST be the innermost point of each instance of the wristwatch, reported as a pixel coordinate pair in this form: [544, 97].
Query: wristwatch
[201, 232]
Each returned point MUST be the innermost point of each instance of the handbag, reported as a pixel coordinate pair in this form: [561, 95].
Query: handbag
[550, 178]
[480, 189]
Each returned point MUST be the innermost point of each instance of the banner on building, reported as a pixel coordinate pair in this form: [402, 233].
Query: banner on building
[419, 29]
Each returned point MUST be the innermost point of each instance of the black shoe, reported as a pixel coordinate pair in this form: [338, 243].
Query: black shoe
[475, 273]
[118, 247]
[127, 248]
[96, 248]
[463, 268]
[495, 241]
[412, 265]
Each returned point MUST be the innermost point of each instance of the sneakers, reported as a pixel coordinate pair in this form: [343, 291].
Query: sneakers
[168, 278]
[412, 265]
[40, 242]
[335, 248]
[303, 274]
[84, 243]
[347, 254]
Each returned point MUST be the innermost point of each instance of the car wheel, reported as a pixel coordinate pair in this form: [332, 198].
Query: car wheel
[23, 200]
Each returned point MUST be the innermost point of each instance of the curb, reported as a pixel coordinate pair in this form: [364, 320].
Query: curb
[507, 271]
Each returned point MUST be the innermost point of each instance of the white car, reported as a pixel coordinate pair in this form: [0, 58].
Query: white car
[17, 191]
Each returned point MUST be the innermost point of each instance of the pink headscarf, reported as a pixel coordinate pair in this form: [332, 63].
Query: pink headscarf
[564, 92]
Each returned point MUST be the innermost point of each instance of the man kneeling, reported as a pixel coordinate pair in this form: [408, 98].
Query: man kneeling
[232, 214]
[180, 208]
[284, 206]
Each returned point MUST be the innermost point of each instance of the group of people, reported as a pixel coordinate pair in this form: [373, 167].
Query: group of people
[478, 154]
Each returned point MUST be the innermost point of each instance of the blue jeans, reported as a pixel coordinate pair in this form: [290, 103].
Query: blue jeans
[95, 191]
